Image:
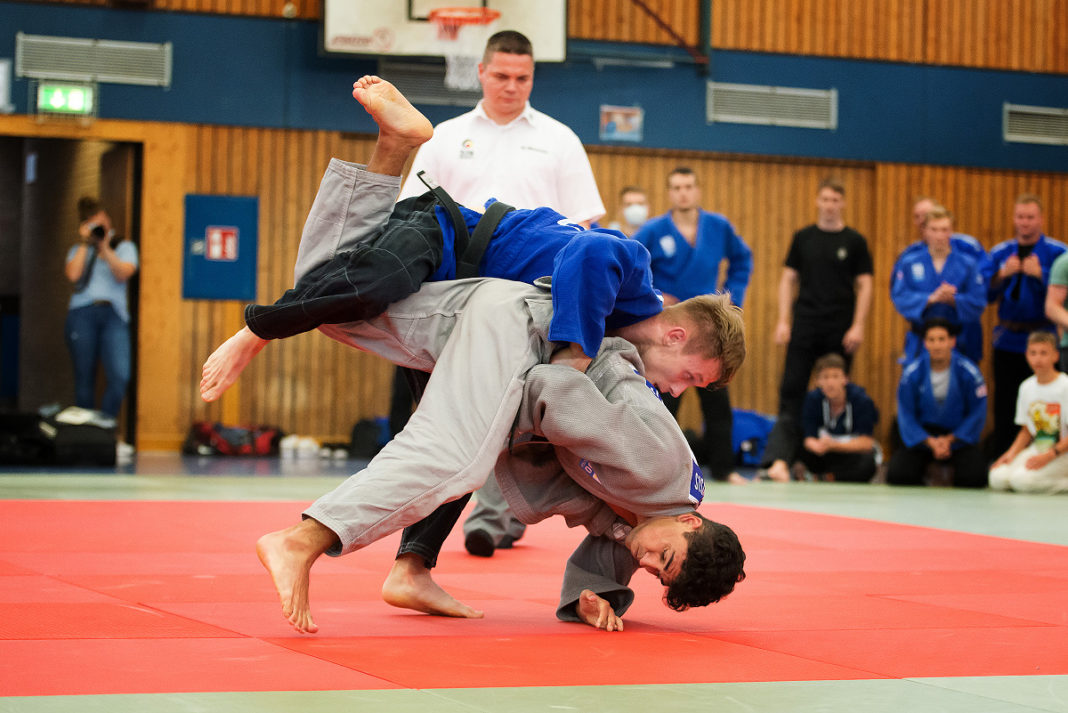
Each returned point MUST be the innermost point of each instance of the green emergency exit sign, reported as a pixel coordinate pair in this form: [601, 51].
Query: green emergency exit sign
[66, 98]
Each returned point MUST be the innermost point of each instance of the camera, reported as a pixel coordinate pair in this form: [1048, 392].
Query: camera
[97, 232]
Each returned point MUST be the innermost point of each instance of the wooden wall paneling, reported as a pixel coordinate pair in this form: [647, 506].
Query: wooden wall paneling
[726, 24]
[161, 332]
[305, 9]
[290, 350]
[1025, 35]
[939, 43]
[1005, 25]
[624, 21]
[816, 18]
[886, 31]
[270, 390]
[198, 314]
[776, 18]
[1053, 20]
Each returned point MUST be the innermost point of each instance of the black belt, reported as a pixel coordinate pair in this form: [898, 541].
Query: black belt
[1024, 326]
[468, 248]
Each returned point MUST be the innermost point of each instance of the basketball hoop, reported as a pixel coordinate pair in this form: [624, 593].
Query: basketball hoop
[462, 51]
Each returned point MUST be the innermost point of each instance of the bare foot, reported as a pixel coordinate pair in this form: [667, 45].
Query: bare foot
[396, 118]
[227, 362]
[288, 556]
[410, 586]
[736, 478]
[779, 472]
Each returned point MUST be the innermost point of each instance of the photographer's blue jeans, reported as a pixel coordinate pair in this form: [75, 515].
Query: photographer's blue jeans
[96, 334]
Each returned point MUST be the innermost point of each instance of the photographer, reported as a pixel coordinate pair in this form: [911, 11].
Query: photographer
[98, 318]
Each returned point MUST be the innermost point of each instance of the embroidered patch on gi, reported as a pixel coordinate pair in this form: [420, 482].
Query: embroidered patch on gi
[587, 468]
[652, 387]
[697, 485]
[917, 271]
[667, 244]
[467, 149]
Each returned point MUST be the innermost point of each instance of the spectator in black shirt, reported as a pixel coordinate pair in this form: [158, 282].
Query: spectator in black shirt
[824, 297]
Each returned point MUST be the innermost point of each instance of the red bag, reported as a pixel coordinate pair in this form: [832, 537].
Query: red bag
[216, 439]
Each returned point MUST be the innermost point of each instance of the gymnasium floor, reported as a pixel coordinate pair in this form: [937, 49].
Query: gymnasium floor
[139, 591]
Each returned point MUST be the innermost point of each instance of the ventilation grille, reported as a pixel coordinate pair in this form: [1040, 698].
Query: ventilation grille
[77, 59]
[772, 106]
[1036, 124]
[424, 83]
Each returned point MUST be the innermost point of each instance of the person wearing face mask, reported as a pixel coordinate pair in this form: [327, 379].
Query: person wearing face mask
[634, 210]
[98, 318]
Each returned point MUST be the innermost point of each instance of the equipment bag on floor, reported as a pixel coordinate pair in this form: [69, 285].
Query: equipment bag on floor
[70, 437]
[210, 439]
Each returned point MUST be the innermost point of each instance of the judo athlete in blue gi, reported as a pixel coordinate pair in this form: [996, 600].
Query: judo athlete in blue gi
[970, 341]
[1018, 275]
[937, 280]
[347, 232]
[687, 246]
[941, 410]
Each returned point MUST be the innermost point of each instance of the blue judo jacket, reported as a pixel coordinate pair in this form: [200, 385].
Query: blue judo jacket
[915, 278]
[1021, 298]
[962, 412]
[970, 341]
[685, 270]
[601, 278]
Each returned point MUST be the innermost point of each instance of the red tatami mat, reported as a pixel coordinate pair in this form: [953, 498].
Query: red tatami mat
[139, 597]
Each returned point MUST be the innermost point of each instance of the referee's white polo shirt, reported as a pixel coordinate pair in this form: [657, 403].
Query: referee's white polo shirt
[532, 161]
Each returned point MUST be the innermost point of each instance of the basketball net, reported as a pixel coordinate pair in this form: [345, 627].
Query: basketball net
[461, 38]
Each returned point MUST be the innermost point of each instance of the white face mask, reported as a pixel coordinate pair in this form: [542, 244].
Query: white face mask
[636, 213]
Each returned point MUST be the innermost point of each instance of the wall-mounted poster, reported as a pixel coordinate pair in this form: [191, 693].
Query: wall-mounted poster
[221, 239]
[621, 123]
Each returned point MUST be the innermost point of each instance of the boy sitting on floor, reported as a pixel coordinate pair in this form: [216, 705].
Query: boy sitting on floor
[1034, 462]
[837, 422]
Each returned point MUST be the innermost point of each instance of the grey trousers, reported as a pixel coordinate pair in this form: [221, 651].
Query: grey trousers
[492, 514]
[480, 332]
[351, 207]
[479, 337]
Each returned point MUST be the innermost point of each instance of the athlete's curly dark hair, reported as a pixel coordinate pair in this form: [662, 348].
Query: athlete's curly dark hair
[713, 565]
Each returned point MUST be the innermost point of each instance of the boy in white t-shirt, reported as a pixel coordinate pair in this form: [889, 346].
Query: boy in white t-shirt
[1035, 461]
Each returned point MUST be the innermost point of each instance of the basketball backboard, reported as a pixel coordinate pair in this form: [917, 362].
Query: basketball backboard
[403, 27]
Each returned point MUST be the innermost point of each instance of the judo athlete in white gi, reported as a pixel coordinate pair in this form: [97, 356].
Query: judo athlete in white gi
[1034, 462]
[489, 339]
